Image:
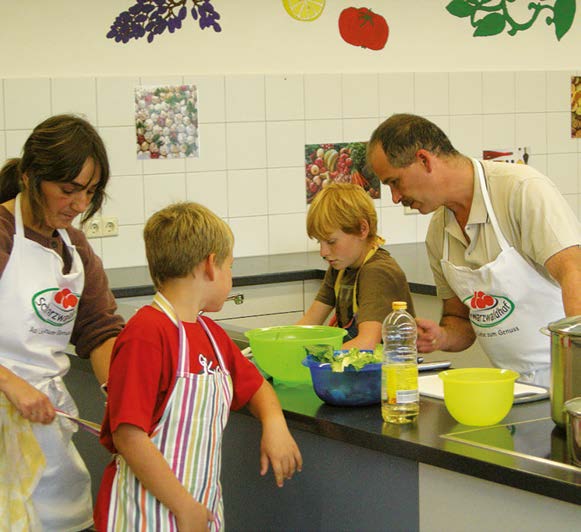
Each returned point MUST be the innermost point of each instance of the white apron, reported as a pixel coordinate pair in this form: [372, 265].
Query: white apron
[40, 305]
[188, 435]
[509, 301]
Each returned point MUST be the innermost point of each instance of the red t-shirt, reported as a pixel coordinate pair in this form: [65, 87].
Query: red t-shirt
[142, 374]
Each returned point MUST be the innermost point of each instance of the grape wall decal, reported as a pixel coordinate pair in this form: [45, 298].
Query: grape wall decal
[490, 18]
[153, 17]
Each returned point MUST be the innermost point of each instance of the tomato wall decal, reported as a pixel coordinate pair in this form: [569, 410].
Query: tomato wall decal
[362, 27]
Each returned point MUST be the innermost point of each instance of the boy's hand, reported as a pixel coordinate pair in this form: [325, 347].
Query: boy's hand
[280, 449]
[194, 518]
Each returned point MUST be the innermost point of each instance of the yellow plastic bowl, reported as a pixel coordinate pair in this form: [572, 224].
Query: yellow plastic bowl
[279, 351]
[478, 396]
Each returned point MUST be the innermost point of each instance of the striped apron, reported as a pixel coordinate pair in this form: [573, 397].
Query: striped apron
[189, 435]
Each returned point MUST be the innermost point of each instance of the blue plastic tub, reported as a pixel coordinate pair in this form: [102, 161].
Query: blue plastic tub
[349, 388]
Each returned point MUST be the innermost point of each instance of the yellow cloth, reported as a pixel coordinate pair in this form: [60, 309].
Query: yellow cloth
[22, 463]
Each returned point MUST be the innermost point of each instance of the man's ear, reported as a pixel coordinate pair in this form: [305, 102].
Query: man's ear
[425, 158]
[25, 180]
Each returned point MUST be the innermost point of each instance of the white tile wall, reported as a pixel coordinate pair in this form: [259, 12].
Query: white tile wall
[246, 145]
[531, 130]
[323, 131]
[498, 92]
[323, 96]
[160, 190]
[2, 146]
[431, 93]
[2, 124]
[252, 134]
[396, 93]
[74, 95]
[247, 192]
[468, 131]
[116, 101]
[360, 95]
[285, 143]
[210, 189]
[287, 233]
[285, 97]
[465, 93]
[15, 140]
[562, 167]
[245, 100]
[284, 197]
[251, 236]
[531, 91]
[26, 101]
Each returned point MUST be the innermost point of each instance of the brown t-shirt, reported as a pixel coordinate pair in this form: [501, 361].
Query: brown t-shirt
[96, 320]
[381, 281]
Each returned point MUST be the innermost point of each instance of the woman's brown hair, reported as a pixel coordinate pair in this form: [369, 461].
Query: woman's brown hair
[56, 151]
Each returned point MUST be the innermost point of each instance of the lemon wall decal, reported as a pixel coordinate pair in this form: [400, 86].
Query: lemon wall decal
[304, 10]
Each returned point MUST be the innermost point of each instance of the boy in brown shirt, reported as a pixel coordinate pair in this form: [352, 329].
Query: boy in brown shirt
[363, 279]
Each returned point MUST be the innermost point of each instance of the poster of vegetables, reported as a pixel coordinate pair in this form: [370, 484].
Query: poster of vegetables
[576, 107]
[342, 162]
[166, 122]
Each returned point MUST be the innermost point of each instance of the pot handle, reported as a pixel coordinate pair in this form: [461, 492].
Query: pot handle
[545, 331]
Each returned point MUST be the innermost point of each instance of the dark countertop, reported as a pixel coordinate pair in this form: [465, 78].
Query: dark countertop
[527, 451]
[247, 271]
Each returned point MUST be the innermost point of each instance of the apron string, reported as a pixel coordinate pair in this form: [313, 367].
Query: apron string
[160, 300]
[502, 242]
[493, 220]
[90, 426]
[378, 242]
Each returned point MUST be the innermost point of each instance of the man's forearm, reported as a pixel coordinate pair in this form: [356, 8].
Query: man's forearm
[458, 332]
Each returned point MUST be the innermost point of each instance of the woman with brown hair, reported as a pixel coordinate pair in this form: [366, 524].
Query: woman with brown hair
[53, 290]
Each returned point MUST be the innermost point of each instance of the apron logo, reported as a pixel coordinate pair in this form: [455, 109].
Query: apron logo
[487, 310]
[55, 306]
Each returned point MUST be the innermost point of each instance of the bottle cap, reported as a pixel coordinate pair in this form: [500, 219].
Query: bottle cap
[399, 305]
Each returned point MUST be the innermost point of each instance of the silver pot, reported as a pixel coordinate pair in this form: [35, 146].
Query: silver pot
[565, 364]
[572, 411]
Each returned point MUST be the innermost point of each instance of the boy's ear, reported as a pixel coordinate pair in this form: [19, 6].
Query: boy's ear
[364, 228]
[210, 266]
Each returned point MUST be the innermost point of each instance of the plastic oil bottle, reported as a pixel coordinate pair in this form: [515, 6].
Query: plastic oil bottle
[399, 375]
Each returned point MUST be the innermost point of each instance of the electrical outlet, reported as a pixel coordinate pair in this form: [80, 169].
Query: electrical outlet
[110, 226]
[409, 210]
[93, 228]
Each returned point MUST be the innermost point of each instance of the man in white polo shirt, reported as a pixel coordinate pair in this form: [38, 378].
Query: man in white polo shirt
[503, 244]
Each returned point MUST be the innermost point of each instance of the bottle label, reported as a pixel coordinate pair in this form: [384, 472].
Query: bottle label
[400, 385]
[406, 396]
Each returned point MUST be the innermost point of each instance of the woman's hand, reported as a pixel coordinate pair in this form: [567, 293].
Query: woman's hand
[31, 403]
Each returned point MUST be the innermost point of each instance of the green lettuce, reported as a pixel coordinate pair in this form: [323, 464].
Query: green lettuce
[354, 357]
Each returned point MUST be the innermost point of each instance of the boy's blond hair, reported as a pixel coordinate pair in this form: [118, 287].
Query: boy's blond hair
[341, 206]
[181, 236]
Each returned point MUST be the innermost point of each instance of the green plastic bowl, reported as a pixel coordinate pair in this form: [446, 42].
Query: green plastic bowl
[478, 396]
[279, 351]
